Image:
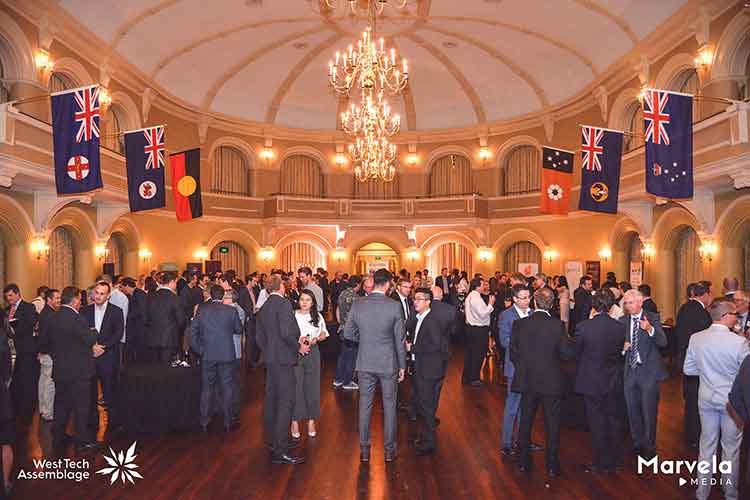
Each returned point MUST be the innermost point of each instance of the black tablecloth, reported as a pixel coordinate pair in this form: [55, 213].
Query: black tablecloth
[157, 398]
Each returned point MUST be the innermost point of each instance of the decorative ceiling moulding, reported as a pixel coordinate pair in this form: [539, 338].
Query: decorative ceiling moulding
[674, 31]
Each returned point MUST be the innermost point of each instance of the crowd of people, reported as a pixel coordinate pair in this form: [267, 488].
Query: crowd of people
[70, 345]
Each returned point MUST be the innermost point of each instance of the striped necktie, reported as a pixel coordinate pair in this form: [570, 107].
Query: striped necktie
[634, 344]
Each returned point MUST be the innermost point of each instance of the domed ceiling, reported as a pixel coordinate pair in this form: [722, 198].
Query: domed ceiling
[470, 61]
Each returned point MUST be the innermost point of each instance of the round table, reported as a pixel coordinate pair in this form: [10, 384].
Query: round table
[159, 398]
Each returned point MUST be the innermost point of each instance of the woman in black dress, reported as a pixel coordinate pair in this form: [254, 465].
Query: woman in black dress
[6, 411]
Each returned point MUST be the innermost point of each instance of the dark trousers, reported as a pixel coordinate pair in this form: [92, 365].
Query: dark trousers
[426, 396]
[476, 348]
[642, 399]
[72, 396]
[347, 360]
[389, 390]
[161, 354]
[25, 384]
[281, 387]
[211, 372]
[605, 425]
[106, 375]
[692, 419]
[529, 403]
[252, 351]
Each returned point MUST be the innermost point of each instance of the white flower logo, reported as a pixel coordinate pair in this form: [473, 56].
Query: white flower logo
[122, 465]
[555, 192]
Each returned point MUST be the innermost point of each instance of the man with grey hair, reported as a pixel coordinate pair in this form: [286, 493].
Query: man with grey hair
[715, 355]
[730, 286]
[740, 300]
[644, 370]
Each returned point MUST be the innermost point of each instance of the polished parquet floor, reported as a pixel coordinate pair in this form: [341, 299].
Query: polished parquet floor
[468, 464]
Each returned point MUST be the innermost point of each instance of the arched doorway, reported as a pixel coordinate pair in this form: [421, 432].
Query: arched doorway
[374, 256]
[232, 255]
[687, 261]
[299, 254]
[452, 255]
[116, 250]
[523, 256]
[61, 263]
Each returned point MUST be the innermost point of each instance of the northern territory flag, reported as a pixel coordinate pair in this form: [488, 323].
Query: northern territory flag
[557, 177]
[186, 184]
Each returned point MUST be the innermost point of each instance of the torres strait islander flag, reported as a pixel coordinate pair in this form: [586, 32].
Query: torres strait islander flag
[186, 184]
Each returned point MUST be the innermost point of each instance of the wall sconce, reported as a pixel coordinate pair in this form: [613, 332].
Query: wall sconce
[339, 254]
[412, 255]
[708, 250]
[101, 251]
[412, 159]
[648, 252]
[201, 254]
[340, 159]
[42, 60]
[40, 248]
[550, 255]
[144, 254]
[642, 93]
[266, 254]
[105, 98]
[484, 153]
[704, 58]
[605, 254]
[267, 153]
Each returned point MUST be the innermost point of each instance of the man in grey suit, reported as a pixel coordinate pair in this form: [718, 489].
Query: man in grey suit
[644, 370]
[211, 335]
[375, 323]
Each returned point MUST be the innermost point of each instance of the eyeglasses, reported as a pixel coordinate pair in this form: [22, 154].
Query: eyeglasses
[730, 313]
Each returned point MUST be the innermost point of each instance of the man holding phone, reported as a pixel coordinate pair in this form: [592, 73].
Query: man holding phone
[22, 317]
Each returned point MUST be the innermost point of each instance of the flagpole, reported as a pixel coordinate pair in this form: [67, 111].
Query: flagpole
[142, 129]
[602, 128]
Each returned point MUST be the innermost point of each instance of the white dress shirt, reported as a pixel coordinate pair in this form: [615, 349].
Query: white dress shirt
[404, 304]
[99, 311]
[420, 317]
[307, 329]
[521, 313]
[477, 312]
[262, 298]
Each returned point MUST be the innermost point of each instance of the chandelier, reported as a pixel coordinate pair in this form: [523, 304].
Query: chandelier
[374, 158]
[372, 116]
[322, 6]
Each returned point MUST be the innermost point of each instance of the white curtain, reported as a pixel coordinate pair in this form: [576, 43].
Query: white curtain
[60, 81]
[111, 129]
[687, 262]
[116, 252]
[300, 254]
[453, 256]
[522, 252]
[374, 189]
[301, 175]
[523, 170]
[61, 264]
[235, 258]
[451, 174]
[634, 126]
[230, 172]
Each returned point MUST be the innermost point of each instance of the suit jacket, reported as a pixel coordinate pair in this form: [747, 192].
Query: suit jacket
[650, 306]
[165, 318]
[212, 331]
[409, 302]
[23, 323]
[246, 302]
[439, 283]
[137, 317]
[45, 321]
[505, 325]
[375, 322]
[538, 345]
[189, 298]
[5, 359]
[652, 365]
[447, 314]
[71, 340]
[691, 318]
[599, 352]
[277, 332]
[583, 302]
[431, 349]
[110, 333]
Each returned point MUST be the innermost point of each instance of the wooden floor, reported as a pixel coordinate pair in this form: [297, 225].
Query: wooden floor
[468, 463]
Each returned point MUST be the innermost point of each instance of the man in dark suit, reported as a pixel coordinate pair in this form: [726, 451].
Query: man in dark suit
[107, 319]
[46, 385]
[538, 346]
[447, 314]
[74, 347]
[247, 300]
[375, 322]
[691, 318]
[211, 336]
[445, 283]
[583, 300]
[165, 319]
[402, 295]
[279, 341]
[428, 340]
[644, 370]
[135, 344]
[648, 303]
[599, 378]
[22, 317]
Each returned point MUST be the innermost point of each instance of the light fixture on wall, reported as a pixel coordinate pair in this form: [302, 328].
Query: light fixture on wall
[642, 94]
[201, 254]
[144, 254]
[267, 153]
[550, 255]
[484, 254]
[648, 252]
[339, 254]
[105, 98]
[43, 60]
[412, 159]
[708, 250]
[704, 58]
[39, 248]
[605, 254]
[412, 255]
[484, 154]
[266, 254]
[340, 159]
[101, 251]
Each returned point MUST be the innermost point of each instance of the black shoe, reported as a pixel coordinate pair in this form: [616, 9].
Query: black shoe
[437, 421]
[536, 447]
[404, 407]
[524, 468]
[412, 418]
[425, 450]
[204, 428]
[509, 452]
[476, 383]
[390, 457]
[287, 460]
[232, 427]
[364, 456]
[592, 469]
[553, 473]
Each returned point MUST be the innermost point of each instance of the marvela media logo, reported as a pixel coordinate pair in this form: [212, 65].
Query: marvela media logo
[707, 468]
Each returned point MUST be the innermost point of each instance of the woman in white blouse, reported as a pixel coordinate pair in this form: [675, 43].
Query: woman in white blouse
[312, 327]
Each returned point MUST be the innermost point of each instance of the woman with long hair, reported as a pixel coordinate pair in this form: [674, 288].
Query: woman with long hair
[563, 295]
[7, 424]
[312, 327]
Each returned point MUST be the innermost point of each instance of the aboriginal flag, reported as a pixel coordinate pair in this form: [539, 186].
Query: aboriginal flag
[186, 184]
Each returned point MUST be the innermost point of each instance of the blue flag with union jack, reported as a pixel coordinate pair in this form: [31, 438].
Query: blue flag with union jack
[144, 155]
[75, 139]
[601, 151]
[668, 127]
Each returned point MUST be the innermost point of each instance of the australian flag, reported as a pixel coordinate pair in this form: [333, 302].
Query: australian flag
[144, 154]
[75, 137]
[668, 126]
[601, 150]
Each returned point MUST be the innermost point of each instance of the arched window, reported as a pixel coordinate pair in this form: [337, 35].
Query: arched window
[687, 82]
[230, 171]
[523, 252]
[523, 170]
[61, 81]
[116, 253]
[376, 189]
[687, 262]
[232, 256]
[453, 256]
[301, 175]
[451, 174]
[112, 128]
[746, 90]
[4, 96]
[633, 125]
[61, 263]
[301, 253]
[636, 246]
